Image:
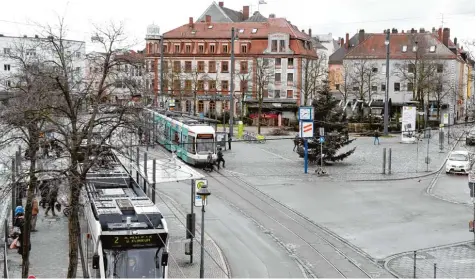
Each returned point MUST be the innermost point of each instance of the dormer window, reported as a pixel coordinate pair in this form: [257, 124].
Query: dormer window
[177, 48]
[414, 49]
[244, 48]
[210, 26]
[212, 48]
[201, 48]
[254, 31]
[194, 32]
[404, 48]
[432, 48]
[241, 31]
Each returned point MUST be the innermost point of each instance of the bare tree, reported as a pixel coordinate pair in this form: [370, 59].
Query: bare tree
[346, 86]
[244, 76]
[173, 79]
[362, 76]
[197, 78]
[264, 74]
[440, 91]
[314, 73]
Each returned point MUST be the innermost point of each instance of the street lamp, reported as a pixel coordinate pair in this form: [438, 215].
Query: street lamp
[203, 193]
[387, 67]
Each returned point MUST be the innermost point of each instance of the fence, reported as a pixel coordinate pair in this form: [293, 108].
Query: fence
[5, 251]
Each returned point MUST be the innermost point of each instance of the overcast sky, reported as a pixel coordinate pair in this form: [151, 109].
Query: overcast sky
[334, 16]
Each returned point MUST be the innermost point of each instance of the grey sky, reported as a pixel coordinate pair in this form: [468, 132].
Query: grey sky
[335, 16]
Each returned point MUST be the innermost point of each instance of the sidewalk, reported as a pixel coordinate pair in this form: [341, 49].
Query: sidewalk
[456, 261]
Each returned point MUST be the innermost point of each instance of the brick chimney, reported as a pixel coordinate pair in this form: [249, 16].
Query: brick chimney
[346, 40]
[272, 15]
[440, 34]
[190, 22]
[310, 32]
[446, 36]
[422, 30]
[221, 3]
[413, 31]
[341, 42]
[208, 19]
[246, 12]
[455, 41]
[361, 35]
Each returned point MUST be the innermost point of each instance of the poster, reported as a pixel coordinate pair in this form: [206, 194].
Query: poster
[408, 124]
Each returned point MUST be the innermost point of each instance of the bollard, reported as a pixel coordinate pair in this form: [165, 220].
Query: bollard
[389, 160]
[154, 166]
[384, 159]
[145, 173]
[434, 270]
[414, 264]
[442, 140]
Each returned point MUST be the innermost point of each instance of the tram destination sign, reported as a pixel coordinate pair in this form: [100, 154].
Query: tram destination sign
[133, 241]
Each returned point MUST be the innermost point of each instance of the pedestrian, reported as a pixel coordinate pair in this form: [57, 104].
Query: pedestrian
[140, 134]
[53, 196]
[229, 141]
[19, 223]
[466, 120]
[220, 158]
[34, 214]
[209, 161]
[376, 138]
[296, 142]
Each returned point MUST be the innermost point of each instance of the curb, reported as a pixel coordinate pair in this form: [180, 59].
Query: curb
[438, 171]
[389, 258]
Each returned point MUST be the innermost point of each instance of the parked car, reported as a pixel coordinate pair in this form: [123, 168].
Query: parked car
[470, 138]
[459, 162]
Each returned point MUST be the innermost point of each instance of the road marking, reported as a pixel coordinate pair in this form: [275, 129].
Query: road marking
[277, 155]
[465, 261]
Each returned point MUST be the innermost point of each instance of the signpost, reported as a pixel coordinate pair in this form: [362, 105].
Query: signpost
[408, 124]
[198, 184]
[306, 129]
[321, 140]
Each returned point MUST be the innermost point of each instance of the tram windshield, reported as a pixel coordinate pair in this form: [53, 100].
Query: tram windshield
[133, 263]
[205, 143]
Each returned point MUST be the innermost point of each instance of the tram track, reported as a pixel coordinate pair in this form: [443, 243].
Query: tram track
[335, 258]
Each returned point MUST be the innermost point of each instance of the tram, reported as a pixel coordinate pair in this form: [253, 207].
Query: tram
[189, 138]
[123, 233]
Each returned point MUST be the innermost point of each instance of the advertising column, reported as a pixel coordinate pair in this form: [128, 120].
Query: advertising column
[408, 124]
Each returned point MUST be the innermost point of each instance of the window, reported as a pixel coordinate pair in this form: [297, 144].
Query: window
[290, 63]
[6, 51]
[212, 106]
[212, 48]
[31, 52]
[177, 48]
[355, 88]
[277, 78]
[225, 105]
[274, 46]
[201, 66]
[225, 48]
[166, 49]
[243, 85]
[176, 85]
[241, 30]
[384, 69]
[411, 68]
[188, 66]
[188, 106]
[188, 85]
[374, 70]
[244, 66]
[224, 85]
[432, 48]
[201, 48]
[414, 48]
[439, 87]
[244, 48]
[396, 86]
[404, 48]
[200, 106]
[254, 31]
[78, 54]
[439, 68]
[374, 88]
[224, 67]
[410, 86]
[166, 66]
[212, 66]
[276, 94]
[212, 85]
[177, 66]
[6, 67]
[289, 94]
[282, 47]
[337, 86]
[383, 86]
[188, 49]
[78, 69]
[277, 62]
[200, 85]
[290, 78]
[8, 83]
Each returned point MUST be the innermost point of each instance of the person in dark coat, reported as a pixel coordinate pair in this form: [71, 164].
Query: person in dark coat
[229, 141]
[20, 223]
[53, 196]
[220, 158]
[376, 137]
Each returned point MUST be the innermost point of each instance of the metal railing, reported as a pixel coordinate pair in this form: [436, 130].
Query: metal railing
[5, 250]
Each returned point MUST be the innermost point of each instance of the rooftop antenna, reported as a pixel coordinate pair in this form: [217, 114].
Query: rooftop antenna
[261, 2]
[442, 20]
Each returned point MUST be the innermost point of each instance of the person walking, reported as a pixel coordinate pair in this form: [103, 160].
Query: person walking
[34, 214]
[220, 158]
[209, 165]
[296, 142]
[229, 141]
[53, 196]
[376, 138]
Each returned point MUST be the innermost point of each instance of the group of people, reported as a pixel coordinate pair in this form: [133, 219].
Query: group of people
[19, 226]
[49, 196]
[47, 146]
[210, 165]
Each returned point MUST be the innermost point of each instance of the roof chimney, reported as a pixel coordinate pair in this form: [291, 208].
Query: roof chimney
[36, 36]
[246, 12]
[446, 36]
[394, 31]
[422, 30]
[413, 31]
[403, 31]
[208, 19]
[272, 15]
[361, 35]
[346, 40]
[440, 34]
[310, 32]
[455, 41]
[190, 21]
[341, 42]
[220, 3]
[433, 30]
[24, 36]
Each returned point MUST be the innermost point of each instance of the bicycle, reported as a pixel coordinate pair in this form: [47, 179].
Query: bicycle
[260, 139]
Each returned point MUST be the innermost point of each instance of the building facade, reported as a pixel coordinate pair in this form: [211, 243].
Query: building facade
[197, 70]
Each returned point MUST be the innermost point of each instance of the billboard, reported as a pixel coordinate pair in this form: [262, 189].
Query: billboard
[409, 124]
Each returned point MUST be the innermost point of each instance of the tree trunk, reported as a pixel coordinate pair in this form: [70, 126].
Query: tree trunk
[194, 103]
[260, 104]
[438, 104]
[33, 144]
[73, 220]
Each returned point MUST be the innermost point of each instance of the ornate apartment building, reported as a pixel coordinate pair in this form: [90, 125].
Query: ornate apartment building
[197, 67]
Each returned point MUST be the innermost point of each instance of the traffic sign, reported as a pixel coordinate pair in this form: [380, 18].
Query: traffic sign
[306, 113]
[306, 129]
[321, 139]
[321, 132]
[198, 184]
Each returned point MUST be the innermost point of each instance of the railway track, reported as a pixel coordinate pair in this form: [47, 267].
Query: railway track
[319, 253]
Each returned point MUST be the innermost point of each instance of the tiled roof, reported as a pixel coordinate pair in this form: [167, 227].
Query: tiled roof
[221, 30]
[233, 15]
[257, 17]
[374, 47]
[338, 56]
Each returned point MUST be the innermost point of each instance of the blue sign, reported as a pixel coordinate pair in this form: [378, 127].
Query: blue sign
[321, 139]
[431, 108]
[201, 115]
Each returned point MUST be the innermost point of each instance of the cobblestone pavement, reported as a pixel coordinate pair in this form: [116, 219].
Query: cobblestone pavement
[455, 261]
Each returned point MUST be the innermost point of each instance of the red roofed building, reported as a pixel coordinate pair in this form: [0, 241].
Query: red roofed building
[197, 62]
[440, 62]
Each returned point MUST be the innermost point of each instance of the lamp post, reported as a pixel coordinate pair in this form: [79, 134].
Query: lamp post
[232, 81]
[161, 72]
[203, 193]
[387, 76]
